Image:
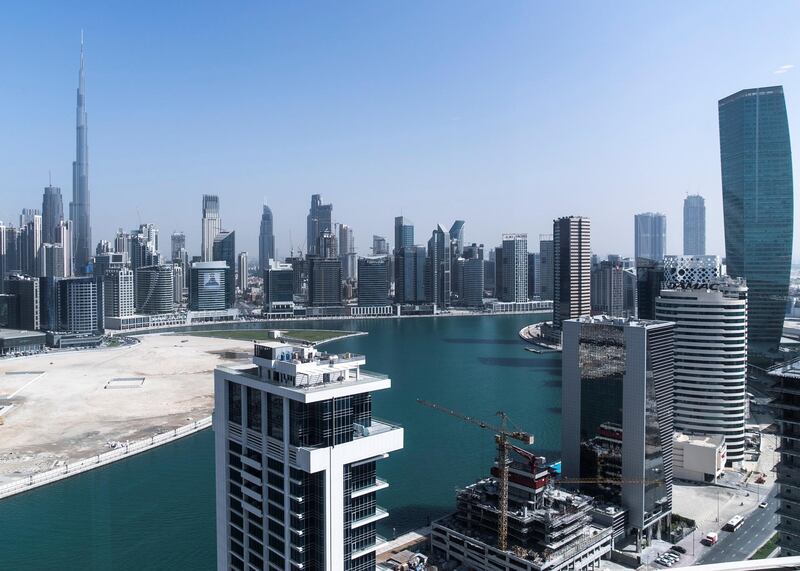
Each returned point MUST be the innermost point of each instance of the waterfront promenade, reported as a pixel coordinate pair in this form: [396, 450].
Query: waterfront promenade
[123, 450]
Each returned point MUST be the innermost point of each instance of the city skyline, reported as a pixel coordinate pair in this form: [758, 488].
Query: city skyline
[482, 149]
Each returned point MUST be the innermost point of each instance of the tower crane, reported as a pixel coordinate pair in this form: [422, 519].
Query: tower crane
[502, 436]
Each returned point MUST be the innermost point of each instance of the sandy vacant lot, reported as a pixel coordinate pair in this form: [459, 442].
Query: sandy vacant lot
[62, 408]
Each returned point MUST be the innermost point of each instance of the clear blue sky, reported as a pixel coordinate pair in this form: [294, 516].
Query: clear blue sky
[504, 114]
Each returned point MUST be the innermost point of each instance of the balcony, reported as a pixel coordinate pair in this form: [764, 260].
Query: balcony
[379, 514]
[369, 549]
[377, 486]
[375, 441]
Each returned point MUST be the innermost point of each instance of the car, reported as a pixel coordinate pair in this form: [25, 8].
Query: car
[763, 505]
[678, 549]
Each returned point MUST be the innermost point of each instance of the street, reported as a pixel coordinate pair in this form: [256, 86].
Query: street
[757, 528]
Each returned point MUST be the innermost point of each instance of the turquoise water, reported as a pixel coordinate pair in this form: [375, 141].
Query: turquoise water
[156, 510]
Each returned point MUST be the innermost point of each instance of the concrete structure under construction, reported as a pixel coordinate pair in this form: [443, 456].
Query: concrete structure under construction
[296, 453]
[548, 528]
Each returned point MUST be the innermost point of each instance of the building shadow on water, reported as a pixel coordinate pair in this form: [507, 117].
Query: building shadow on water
[553, 365]
[467, 341]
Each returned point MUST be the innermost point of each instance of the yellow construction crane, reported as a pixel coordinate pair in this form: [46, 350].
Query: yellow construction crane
[502, 436]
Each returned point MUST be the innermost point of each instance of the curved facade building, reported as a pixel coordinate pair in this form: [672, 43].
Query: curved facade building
[757, 200]
[710, 359]
[154, 289]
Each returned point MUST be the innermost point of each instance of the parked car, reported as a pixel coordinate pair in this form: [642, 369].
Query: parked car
[678, 549]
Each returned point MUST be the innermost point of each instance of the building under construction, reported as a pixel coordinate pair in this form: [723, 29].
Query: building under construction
[548, 528]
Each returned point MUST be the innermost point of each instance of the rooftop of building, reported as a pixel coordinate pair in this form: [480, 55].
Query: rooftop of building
[788, 369]
[8, 334]
[304, 369]
[709, 440]
[619, 321]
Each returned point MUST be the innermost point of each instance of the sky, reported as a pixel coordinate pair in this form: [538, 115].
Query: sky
[506, 115]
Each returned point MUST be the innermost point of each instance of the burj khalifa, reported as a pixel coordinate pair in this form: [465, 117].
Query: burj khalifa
[79, 211]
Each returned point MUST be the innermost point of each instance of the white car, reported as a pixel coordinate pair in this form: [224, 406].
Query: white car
[763, 505]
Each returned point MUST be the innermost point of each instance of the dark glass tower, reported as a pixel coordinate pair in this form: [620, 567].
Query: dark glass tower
[79, 211]
[756, 160]
[52, 214]
[266, 240]
[224, 250]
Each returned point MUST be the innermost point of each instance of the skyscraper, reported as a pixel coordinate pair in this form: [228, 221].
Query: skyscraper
[787, 402]
[616, 402]
[118, 292]
[546, 265]
[224, 250]
[347, 252]
[30, 241]
[241, 272]
[324, 281]
[410, 265]
[279, 288]
[473, 285]
[319, 220]
[266, 239]
[515, 268]
[52, 214]
[438, 273]
[710, 316]
[757, 200]
[79, 208]
[211, 225]
[177, 243]
[154, 289]
[457, 235]
[650, 236]
[694, 225]
[3, 256]
[296, 454]
[403, 233]
[572, 268]
[373, 281]
[80, 305]
[207, 288]
[379, 245]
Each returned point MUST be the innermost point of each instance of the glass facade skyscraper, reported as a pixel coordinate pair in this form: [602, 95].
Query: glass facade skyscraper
[756, 160]
[694, 225]
[650, 236]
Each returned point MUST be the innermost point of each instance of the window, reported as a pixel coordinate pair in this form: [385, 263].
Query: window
[275, 416]
[253, 408]
[234, 403]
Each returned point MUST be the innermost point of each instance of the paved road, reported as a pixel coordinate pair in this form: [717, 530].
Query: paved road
[757, 528]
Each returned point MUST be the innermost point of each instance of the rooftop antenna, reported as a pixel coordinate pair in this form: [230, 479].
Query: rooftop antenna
[49, 178]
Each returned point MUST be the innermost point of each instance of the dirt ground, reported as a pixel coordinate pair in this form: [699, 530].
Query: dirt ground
[63, 406]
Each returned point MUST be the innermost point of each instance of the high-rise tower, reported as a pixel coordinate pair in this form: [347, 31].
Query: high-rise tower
[694, 226]
[52, 213]
[211, 226]
[79, 211]
[757, 200]
[266, 239]
[572, 268]
[650, 235]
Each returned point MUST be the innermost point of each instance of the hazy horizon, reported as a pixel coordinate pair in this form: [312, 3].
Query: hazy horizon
[503, 118]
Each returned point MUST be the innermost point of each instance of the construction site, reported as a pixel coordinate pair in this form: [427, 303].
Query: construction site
[517, 518]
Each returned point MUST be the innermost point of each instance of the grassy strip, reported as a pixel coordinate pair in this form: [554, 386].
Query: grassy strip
[764, 551]
[310, 335]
